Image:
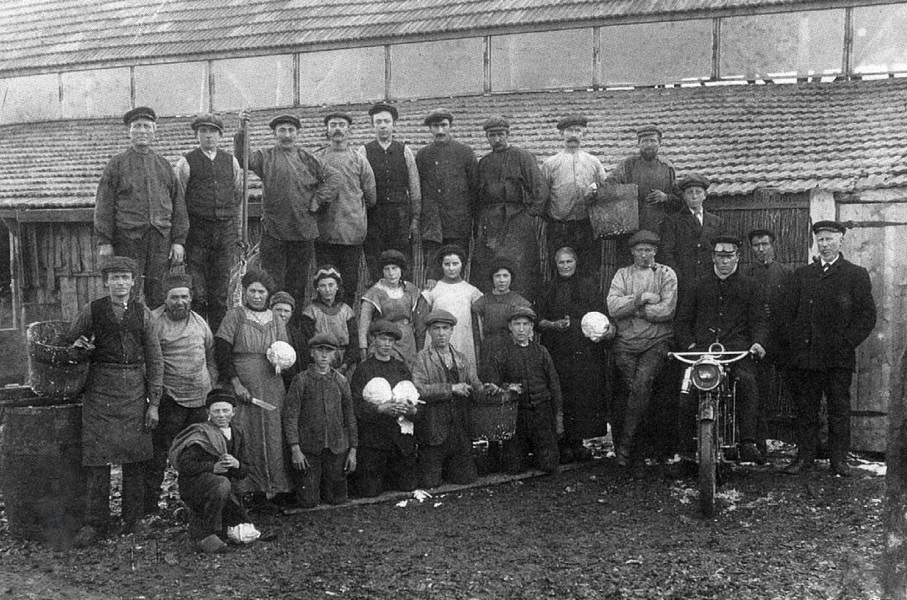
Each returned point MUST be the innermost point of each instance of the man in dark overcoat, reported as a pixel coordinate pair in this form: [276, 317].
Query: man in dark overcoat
[825, 312]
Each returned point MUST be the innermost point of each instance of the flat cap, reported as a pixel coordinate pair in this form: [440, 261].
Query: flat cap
[438, 114]
[694, 180]
[338, 115]
[828, 226]
[496, 124]
[440, 316]
[644, 236]
[285, 118]
[392, 257]
[522, 311]
[208, 120]
[219, 395]
[383, 326]
[118, 264]
[648, 130]
[139, 112]
[383, 107]
[571, 120]
[177, 280]
[282, 297]
[324, 340]
[720, 243]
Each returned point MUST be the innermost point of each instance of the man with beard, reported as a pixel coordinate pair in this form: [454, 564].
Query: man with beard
[449, 181]
[139, 210]
[654, 177]
[212, 182]
[187, 347]
[343, 222]
[393, 223]
[574, 178]
[512, 197]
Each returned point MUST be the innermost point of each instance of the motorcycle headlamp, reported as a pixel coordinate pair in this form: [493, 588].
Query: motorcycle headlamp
[707, 374]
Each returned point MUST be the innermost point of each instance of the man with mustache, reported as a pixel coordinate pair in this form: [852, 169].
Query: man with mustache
[187, 347]
[449, 181]
[342, 223]
[574, 177]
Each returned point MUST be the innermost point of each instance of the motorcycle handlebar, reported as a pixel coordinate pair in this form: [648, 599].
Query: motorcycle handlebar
[724, 358]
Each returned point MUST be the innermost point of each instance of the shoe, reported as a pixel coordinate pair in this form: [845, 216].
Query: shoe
[748, 452]
[623, 456]
[211, 545]
[800, 465]
[841, 469]
[87, 536]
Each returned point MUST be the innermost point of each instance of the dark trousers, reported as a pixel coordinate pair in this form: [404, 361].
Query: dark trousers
[378, 470]
[451, 460]
[638, 372]
[430, 251]
[388, 229]
[210, 254]
[288, 263]
[152, 255]
[579, 236]
[808, 387]
[97, 494]
[346, 259]
[535, 432]
[173, 418]
[324, 480]
[213, 503]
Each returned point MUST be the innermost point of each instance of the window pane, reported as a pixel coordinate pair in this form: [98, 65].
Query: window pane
[782, 45]
[878, 39]
[340, 76]
[34, 98]
[550, 59]
[260, 82]
[98, 93]
[655, 53]
[433, 69]
[172, 89]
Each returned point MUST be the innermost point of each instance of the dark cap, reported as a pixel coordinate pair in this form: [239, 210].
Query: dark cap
[282, 297]
[383, 326]
[327, 271]
[440, 316]
[392, 257]
[643, 237]
[177, 280]
[324, 340]
[383, 107]
[438, 114]
[522, 311]
[208, 120]
[118, 264]
[338, 115]
[286, 118]
[694, 180]
[571, 120]
[828, 226]
[496, 124]
[220, 395]
[720, 243]
[648, 130]
[139, 112]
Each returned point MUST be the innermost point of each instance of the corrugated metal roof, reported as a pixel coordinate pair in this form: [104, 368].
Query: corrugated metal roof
[40, 34]
[842, 137]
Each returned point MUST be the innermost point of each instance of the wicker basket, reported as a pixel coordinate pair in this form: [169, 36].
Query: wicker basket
[493, 416]
[55, 370]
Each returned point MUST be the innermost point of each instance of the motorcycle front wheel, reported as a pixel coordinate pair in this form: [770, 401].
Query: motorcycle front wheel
[708, 467]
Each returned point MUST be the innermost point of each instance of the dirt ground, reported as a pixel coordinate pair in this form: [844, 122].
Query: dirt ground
[589, 532]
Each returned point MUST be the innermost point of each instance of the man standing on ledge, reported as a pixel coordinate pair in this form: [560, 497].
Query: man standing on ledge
[139, 209]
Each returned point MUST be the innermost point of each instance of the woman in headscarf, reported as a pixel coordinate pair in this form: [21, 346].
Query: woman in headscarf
[391, 299]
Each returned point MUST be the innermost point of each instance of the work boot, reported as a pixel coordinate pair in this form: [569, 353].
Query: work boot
[799, 465]
[211, 545]
[839, 464]
[750, 453]
[622, 454]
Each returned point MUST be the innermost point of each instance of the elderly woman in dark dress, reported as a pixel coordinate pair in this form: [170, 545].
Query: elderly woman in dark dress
[580, 362]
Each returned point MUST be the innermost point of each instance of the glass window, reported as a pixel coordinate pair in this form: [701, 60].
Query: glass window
[656, 53]
[549, 59]
[433, 69]
[351, 75]
[782, 45]
[97, 93]
[260, 82]
[32, 98]
[172, 89]
[878, 38]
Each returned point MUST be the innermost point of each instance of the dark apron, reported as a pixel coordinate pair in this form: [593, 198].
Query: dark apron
[113, 416]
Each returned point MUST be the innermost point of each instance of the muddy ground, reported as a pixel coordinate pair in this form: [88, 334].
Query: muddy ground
[589, 532]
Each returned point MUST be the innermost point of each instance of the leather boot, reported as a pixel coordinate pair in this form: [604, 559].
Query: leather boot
[801, 464]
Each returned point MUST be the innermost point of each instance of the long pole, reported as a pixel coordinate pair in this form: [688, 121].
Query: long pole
[244, 126]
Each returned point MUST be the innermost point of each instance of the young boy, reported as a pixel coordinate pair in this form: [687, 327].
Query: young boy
[328, 314]
[210, 458]
[320, 427]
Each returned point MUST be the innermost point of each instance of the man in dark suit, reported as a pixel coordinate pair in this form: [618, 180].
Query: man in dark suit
[687, 235]
[825, 312]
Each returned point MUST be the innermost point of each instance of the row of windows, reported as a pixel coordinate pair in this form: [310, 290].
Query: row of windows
[748, 48]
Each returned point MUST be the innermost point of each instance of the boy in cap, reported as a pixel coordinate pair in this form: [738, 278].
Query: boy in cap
[387, 455]
[320, 428]
[210, 457]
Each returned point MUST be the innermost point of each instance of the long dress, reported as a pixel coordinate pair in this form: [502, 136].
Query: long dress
[457, 299]
[494, 309]
[264, 431]
[397, 306]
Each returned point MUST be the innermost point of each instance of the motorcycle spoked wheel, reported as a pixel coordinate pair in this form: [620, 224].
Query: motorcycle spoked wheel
[708, 467]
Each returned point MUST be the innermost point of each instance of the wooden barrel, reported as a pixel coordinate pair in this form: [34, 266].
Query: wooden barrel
[55, 369]
[41, 476]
